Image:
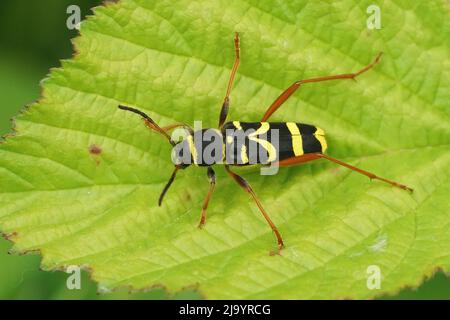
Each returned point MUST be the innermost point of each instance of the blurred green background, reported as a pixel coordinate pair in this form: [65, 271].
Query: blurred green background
[33, 38]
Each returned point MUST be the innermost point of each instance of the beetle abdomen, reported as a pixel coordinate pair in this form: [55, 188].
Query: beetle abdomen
[265, 142]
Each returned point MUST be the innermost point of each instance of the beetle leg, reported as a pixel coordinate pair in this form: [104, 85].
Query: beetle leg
[246, 186]
[289, 91]
[314, 156]
[226, 101]
[212, 184]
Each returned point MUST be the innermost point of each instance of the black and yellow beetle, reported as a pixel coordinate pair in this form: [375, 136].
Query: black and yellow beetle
[296, 142]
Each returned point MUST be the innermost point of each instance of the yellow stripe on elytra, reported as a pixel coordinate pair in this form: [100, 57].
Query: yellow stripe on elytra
[237, 125]
[320, 136]
[192, 149]
[271, 150]
[297, 142]
[244, 156]
[265, 126]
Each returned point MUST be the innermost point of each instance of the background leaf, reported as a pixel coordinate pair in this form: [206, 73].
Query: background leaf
[173, 60]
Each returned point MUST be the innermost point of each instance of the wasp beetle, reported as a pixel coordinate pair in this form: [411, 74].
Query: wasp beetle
[297, 142]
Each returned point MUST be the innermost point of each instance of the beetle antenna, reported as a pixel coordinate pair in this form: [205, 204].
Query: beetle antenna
[167, 186]
[146, 117]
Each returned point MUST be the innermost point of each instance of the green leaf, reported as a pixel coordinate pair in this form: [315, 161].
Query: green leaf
[173, 59]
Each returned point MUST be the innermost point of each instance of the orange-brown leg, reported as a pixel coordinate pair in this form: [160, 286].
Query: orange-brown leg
[315, 156]
[246, 186]
[166, 128]
[226, 101]
[298, 160]
[212, 184]
[289, 91]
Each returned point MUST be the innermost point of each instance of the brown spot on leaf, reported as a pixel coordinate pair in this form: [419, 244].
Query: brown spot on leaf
[9, 236]
[95, 150]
